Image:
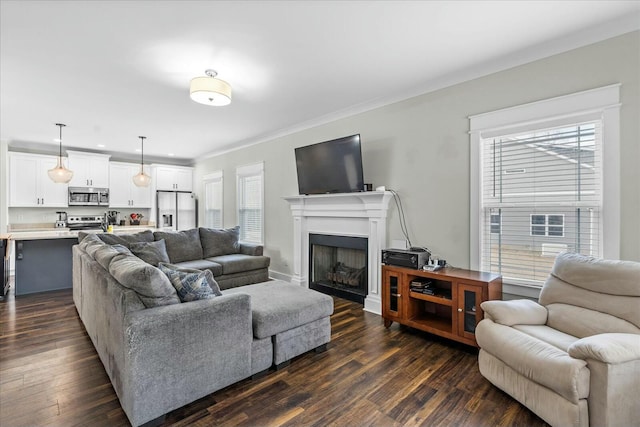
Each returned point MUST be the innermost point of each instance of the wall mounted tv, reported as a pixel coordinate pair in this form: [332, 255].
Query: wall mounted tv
[330, 167]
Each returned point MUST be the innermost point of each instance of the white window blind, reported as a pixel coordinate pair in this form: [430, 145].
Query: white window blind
[541, 194]
[250, 190]
[213, 185]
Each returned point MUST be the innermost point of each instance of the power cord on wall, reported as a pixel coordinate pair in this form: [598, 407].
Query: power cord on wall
[401, 218]
[403, 222]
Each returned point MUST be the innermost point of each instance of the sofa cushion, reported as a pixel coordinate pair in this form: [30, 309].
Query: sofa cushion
[190, 284]
[151, 252]
[202, 264]
[549, 335]
[181, 245]
[105, 253]
[126, 239]
[515, 312]
[85, 238]
[598, 275]
[217, 242]
[92, 245]
[535, 359]
[278, 306]
[152, 285]
[237, 263]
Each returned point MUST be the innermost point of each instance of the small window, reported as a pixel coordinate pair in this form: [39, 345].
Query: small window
[547, 225]
[250, 193]
[213, 185]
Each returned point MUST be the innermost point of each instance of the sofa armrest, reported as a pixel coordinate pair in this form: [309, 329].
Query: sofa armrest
[607, 348]
[251, 249]
[178, 353]
[515, 312]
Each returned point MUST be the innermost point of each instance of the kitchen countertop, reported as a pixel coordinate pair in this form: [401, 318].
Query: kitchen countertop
[65, 233]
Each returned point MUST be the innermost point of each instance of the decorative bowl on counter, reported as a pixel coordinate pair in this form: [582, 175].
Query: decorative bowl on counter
[134, 218]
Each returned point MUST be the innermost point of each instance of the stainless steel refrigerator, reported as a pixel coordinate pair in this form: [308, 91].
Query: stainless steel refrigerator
[176, 210]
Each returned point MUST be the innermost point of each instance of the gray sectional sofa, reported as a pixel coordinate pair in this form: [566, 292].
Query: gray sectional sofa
[232, 263]
[161, 353]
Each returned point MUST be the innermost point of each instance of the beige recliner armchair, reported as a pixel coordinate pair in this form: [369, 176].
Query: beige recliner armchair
[574, 358]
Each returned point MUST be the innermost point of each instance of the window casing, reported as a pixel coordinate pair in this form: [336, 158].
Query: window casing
[213, 200]
[250, 193]
[538, 187]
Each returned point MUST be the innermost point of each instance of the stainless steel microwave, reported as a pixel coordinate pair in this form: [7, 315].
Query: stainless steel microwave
[88, 196]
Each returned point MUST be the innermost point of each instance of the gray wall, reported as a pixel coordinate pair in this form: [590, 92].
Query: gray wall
[420, 148]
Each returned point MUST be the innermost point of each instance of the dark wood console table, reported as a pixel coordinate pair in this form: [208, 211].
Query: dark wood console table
[453, 311]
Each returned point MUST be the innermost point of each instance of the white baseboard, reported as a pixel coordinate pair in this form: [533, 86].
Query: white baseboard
[280, 276]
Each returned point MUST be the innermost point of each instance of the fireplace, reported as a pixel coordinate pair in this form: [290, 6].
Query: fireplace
[338, 266]
[360, 215]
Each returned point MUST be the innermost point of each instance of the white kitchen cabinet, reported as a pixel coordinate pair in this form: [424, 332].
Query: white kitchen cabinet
[30, 185]
[89, 169]
[123, 193]
[173, 178]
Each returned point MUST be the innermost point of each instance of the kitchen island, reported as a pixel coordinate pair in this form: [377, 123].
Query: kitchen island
[43, 259]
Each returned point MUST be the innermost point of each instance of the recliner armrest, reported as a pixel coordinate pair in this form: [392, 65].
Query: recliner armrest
[515, 312]
[251, 249]
[610, 348]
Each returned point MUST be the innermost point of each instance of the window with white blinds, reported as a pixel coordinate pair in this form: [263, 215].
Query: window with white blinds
[213, 185]
[250, 191]
[541, 194]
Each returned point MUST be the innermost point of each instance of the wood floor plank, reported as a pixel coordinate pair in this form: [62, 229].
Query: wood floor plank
[50, 375]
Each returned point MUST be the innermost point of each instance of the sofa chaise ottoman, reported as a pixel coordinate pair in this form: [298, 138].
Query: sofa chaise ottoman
[296, 319]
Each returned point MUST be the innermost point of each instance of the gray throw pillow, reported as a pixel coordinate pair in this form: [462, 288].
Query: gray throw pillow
[151, 252]
[150, 284]
[126, 239]
[181, 245]
[190, 284]
[216, 242]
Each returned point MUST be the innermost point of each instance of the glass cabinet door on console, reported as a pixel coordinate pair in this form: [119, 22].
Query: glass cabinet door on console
[469, 312]
[392, 297]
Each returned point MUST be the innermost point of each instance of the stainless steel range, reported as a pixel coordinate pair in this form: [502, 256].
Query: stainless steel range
[85, 222]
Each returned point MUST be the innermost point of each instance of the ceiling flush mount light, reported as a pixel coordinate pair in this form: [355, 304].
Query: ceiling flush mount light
[60, 174]
[142, 179]
[210, 90]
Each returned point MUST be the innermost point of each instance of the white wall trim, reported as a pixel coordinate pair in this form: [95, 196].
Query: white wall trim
[279, 276]
[346, 214]
[604, 102]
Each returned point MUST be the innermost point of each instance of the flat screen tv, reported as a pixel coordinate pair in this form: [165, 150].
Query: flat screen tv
[330, 167]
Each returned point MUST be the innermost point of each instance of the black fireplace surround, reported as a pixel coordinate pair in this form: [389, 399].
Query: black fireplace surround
[338, 266]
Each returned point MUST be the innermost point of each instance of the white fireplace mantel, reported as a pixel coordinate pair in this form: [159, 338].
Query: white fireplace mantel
[345, 214]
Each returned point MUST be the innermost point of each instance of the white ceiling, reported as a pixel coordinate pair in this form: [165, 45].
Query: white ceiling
[114, 70]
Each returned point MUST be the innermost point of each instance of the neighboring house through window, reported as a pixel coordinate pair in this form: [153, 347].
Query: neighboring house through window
[538, 187]
[213, 185]
[250, 193]
[495, 223]
[547, 225]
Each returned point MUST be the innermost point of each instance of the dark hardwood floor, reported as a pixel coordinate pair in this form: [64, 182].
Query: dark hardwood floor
[50, 375]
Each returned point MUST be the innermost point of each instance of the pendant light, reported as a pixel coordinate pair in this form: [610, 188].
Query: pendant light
[60, 174]
[210, 90]
[142, 179]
